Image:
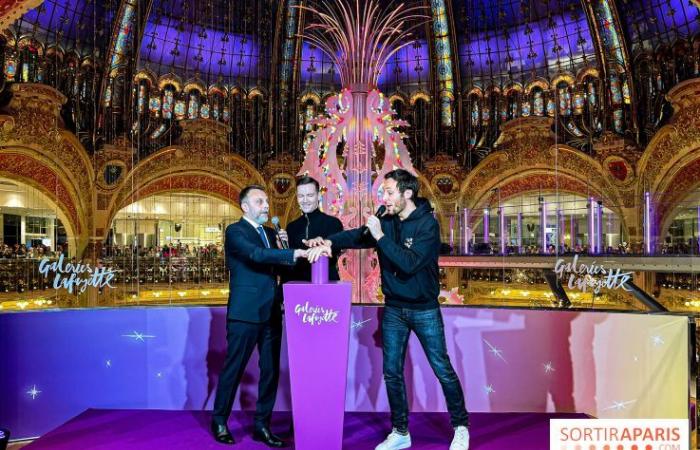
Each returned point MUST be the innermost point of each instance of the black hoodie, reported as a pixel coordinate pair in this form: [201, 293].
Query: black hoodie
[408, 256]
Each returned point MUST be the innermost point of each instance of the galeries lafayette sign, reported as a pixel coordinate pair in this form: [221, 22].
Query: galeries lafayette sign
[76, 276]
[590, 276]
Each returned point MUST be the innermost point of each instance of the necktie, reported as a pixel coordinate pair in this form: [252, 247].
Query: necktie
[263, 236]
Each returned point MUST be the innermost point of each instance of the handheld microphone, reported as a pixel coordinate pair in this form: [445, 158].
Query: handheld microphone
[276, 222]
[380, 212]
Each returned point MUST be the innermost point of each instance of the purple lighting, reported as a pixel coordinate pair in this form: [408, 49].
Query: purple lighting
[475, 55]
[52, 19]
[561, 226]
[409, 65]
[465, 231]
[543, 225]
[520, 233]
[486, 225]
[572, 231]
[502, 229]
[591, 226]
[674, 20]
[233, 56]
[647, 223]
[599, 227]
[315, 67]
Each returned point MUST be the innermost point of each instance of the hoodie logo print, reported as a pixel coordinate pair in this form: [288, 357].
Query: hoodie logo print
[408, 242]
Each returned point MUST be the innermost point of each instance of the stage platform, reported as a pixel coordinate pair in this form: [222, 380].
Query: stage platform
[108, 429]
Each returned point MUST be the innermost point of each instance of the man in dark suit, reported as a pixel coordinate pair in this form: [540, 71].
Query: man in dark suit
[254, 314]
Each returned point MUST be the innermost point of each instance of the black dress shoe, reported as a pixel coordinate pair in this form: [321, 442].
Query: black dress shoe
[221, 433]
[265, 436]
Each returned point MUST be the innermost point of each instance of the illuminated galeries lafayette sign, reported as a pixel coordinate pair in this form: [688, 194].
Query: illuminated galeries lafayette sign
[594, 276]
[76, 276]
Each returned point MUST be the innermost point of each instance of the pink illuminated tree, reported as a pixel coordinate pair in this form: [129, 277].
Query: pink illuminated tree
[359, 37]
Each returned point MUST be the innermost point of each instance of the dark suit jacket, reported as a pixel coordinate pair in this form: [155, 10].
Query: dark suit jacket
[254, 292]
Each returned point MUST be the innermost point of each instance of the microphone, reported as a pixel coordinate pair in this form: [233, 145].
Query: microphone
[276, 222]
[380, 212]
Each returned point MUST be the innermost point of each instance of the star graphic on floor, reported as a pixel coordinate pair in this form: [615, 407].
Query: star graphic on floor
[497, 352]
[139, 336]
[657, 340]
[619, 406]
[548, 367]
[33, 392]
[108, 363]
[489, 389]
[359, 324]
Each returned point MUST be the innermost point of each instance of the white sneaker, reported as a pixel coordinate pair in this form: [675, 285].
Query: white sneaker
[395, 441]
[461, 439]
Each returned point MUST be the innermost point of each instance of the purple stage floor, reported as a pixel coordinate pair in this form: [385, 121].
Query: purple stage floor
[156, 429]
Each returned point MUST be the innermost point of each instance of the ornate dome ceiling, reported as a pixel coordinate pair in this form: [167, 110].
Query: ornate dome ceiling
[219, 41]
[232, 42]
[513, 40]
[651, 23]
[80, 25]
[135, 69]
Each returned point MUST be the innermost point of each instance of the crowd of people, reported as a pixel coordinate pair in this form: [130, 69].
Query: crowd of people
[537, 250]
[167, 251]
[31, 251]
[180, 249]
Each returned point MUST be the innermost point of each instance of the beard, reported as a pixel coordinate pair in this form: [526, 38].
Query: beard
[262, 218]
[399, 206]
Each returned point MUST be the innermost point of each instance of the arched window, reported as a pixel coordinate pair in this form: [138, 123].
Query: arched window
[168, 102]
[29, 61]
[537, 101]
[513, 105]
[193, 104]
[564, 98]
[419, 129]
[216, 104]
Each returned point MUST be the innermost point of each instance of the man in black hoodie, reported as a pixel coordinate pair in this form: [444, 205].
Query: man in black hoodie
[407, 239]
[312, 223]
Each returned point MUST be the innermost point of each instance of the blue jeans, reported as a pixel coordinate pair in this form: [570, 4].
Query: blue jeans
[397, 324]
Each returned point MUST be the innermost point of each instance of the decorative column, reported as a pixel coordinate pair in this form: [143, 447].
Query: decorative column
[591, 227]
[543, 225]
[561, 234]
[502, 229]
[599, 227]
[572, 231]
[697, 236]
[486, 225]
[648, 225]
[466, 231]
[519, 231]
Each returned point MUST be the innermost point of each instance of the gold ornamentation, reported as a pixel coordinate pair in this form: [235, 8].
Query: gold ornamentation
[34, 128]
[280, 172]
[207, 134]
[526, 149]
[444, 175]
[11, 10]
